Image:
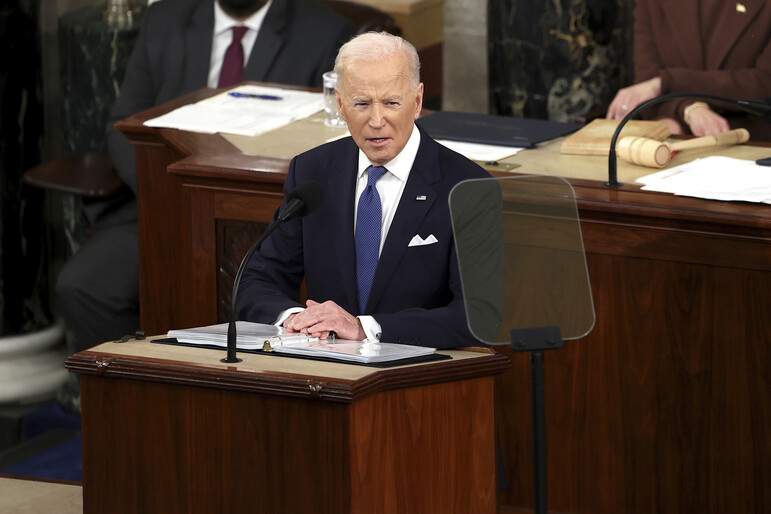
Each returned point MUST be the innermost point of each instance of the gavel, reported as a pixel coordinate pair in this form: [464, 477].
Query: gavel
[657, 154]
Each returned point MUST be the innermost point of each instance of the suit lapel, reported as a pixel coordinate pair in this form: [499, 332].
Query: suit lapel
[679, 14]
[268, 43]
[198, 40]
[341, 185]
[731, 27]
[409, 216]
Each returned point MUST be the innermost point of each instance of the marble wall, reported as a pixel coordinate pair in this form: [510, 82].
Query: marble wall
[93, 57]
[83, 62]
[556, 59]
[59, 71]
[48, 13]
[30, 359]
[63, 212]
[22, 261]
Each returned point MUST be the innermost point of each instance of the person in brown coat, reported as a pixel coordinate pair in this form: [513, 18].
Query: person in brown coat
[700, 46]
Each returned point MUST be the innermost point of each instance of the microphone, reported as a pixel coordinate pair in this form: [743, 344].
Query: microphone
[302, 200]
[756, 107]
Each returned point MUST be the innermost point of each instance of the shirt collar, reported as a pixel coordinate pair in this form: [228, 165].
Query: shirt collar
[400, 165]
[223, 22]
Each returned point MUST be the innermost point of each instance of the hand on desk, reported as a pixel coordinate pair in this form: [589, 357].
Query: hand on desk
[706, 122]
[319, 319]
[630, 97]
[673, 125]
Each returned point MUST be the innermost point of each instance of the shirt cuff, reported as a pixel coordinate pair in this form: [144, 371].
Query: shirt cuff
[371, 327]
[285, 314]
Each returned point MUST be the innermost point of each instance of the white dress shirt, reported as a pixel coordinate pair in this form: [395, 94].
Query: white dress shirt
[223, 36]
[391, 185]
[389, 188]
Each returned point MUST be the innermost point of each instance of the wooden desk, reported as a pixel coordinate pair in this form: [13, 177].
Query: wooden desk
[664, 407]
[172, 429]
[24, 495]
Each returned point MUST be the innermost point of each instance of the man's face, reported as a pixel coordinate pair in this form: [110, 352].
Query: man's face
[378, 103]
[241, 9]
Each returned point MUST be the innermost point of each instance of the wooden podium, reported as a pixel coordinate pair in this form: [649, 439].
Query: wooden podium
[172, 429]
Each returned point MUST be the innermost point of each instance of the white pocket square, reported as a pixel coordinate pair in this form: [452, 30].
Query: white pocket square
[419, 241]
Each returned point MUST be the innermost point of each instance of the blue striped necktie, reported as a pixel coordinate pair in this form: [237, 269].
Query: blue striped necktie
[369, 225]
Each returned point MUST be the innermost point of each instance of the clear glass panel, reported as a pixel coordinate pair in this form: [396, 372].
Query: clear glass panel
[521, 256]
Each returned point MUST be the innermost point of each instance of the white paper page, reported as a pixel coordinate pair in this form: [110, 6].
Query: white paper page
[291, 103]
[359, 351]
[249, 335]
[480, 152]
[716, 178]
[210, 119]
[242, 116]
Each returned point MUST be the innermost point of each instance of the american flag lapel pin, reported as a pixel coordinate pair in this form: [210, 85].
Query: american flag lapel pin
[421, 197]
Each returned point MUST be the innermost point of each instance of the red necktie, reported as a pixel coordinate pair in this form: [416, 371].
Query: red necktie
[233, 64]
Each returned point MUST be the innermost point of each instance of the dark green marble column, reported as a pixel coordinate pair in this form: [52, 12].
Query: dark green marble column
[556, 59]
[93, 56]
[23, 280]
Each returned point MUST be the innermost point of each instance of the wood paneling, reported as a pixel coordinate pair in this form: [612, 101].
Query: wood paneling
[662, 407]
[406, 433]
[200, 450]
[234, 238]
[174, 436]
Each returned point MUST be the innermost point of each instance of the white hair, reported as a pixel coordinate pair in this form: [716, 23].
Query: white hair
[374, 46]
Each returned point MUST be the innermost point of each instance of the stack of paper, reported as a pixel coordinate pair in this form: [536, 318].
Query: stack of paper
[358, 351]
[254, 336]
[246, 110]
[250, 336]
[714, 178]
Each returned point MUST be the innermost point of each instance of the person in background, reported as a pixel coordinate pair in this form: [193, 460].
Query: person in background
[378, 254]
[700, 46]
[182, 47]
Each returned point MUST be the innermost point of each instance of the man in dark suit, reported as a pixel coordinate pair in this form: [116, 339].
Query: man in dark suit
[181, 48]
[404, 286]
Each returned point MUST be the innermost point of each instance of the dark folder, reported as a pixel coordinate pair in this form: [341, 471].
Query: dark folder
[492, 130]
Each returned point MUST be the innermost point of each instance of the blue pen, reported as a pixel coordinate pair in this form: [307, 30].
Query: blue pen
[236, 94]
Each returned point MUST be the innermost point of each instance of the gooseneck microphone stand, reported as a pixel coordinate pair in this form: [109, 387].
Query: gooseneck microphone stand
[756, 107]
[304, 199]
[232, 335]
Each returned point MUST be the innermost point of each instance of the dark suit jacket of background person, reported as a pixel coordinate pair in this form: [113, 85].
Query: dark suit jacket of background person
[735, 62]
[297, 43]
[416, 293]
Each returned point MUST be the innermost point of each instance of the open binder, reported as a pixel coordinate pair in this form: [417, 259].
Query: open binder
[269, 339]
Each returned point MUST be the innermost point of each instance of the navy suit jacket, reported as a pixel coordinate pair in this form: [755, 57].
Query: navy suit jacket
[416, 293]
[297, 43]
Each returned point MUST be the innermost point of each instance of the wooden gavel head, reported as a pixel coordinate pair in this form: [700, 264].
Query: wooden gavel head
[657, 154]
[644, 151]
